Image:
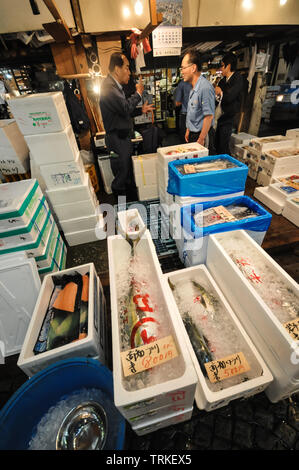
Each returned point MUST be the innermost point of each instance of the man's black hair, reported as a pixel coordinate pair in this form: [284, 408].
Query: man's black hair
[231, 59]
[195, 58]
[116, 60]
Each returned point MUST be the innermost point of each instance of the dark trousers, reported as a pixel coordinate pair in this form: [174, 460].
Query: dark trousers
[223, 133]
[182, 127]
[121, 166]
[193, 137]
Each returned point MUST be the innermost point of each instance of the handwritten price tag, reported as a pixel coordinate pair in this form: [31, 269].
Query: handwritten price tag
[227, 367]
[224, 213]
[148, 356]
[293, 328]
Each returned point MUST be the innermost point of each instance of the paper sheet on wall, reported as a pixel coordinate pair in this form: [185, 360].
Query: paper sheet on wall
[167, 37]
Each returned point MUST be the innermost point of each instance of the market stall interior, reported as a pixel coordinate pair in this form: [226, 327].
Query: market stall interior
[165, 312]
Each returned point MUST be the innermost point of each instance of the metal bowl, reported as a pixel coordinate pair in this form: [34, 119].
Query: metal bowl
[85, 427]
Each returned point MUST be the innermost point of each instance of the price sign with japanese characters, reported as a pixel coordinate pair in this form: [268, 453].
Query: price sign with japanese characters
[293, 328]
[149, 355]
[227, 367]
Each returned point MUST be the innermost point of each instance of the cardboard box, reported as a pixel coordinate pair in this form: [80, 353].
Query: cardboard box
[14, 152]
[87, 347]
[40, 113]
[53, 147]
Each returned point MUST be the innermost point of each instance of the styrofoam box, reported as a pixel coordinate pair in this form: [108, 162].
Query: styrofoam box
[67, 195]
[155, 424]
[19, 289]
[147, 192]
[277, 190]
[186, 201]
[81, 223]
[59, 175]
[277, 141]
[46, 259]
[15, 237]
[35, 173]
[253, 155]
[240, 152]
[106, 172]
[40, 113]
[75, 210]
[179, 390]
[37, 246]
[54, 147]
[269, 199]
[190, 150]
[124, 219]
[18, 202]
[291, 211]
[55, 261]
[264, 179]
[145, 169]
[87, 347]
[242, 138]
[146, 419]
[280, 166]
[205, 397]
[266, 331]
[292, 133]
[82, 236]
[14, 151]
[55, 266]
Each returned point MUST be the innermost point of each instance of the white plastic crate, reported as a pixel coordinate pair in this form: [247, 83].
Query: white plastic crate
[75, 210]
[179, 152]
[64, 174]
[18, 202]
[181, 388]
[291, 210]
[40, 113]
[266, 331]
[158, 423]
[210, 396]
[19, 289]
[55, 147]
[87, 347]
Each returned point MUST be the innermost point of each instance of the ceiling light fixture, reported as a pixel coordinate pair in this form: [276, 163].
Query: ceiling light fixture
[282, 2]
[247, 4]
[138, 8]
[126, 12]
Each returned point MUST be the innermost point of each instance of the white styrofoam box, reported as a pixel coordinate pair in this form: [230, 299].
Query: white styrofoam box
[253, 155]
[291, 210]
[106, 172]
[14, 152]
[82, 236]
[15, 237]
[269, 199]
[266, 331]
[179, 152]
[68, 194]
[40, 113]
[181, 388]
[18, 202]
[37, 246]
[146, 418]
[35, 173]
[55, 261]
[147, 192]
[75, 210]
[186, 201]
[46, 259]
[159, 423]
[240, 152]
[145, 169]
[252, 173]
[130, 224]
[59, 175]
[242, 138]
[19, 289]
[268, 143]
[292, 133]
[283, 191]
[80, 223]
[207, 395]
[279, 166]
[54, 147]
[87, 347]
[264, 179]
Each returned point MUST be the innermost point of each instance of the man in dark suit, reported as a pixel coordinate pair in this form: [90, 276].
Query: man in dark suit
[229, 91]
[117, 112]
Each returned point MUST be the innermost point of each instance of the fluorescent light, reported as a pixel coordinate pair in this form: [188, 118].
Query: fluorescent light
[247, 4]
[283, 2]
[279, 97]
[126, 12]
[138, 8]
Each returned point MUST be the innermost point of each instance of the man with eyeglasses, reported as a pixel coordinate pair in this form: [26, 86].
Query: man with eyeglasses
[229, 91]
[117, 112]
[201, 104]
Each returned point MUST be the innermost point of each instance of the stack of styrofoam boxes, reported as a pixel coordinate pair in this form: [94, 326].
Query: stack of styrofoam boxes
[44, 120]
[275, 196]
[292, 134]
[19, 289]
[208, 395]
[93, 345]
[256, 155]
[193, 243]
[291, 209]
[238, 142]
[273, 166]
[14, 152]
[269, 101]
[154, 406]
[26, 224]
[146, 179]
[269, 335]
